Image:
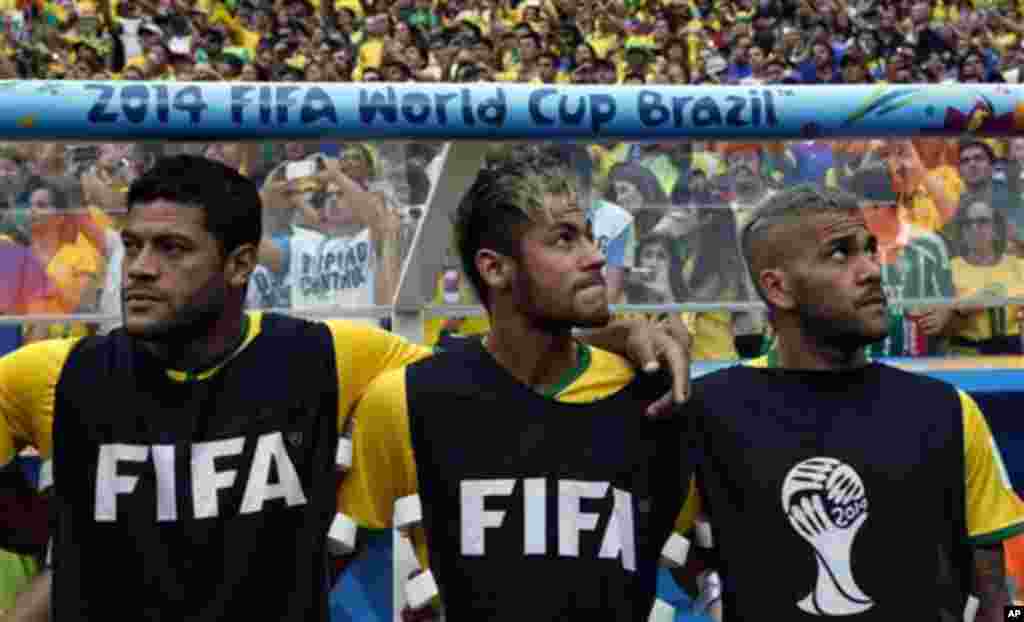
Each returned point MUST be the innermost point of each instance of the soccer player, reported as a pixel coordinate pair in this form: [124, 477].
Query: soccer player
[194, 449]
[544, 496]
[874, 491]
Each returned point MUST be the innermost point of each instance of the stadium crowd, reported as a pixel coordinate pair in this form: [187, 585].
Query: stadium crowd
[339, 217]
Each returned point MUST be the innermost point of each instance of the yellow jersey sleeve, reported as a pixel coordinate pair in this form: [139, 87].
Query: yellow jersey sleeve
[28, 385]
[688, 515]
[383, 467]
[994, 511]
[364, 352]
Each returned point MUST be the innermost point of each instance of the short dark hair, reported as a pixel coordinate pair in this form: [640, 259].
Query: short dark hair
[230, 202]
[506, 196]
[785, 208]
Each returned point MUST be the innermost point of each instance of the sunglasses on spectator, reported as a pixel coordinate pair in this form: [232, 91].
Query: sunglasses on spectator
[978, 222]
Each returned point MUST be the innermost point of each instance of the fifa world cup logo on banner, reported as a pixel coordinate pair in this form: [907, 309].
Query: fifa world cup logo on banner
[826, 505]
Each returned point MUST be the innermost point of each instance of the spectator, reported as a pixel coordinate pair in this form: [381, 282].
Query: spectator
[980, 184]
[984, 267]
[650, 281]
[915, 265]
[345, 254]
[707, 266]
[25, 287]
[926, 198]
[60, 241]
[636, 189]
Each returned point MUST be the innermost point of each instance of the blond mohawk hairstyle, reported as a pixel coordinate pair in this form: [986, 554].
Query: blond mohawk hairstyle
[508, 194]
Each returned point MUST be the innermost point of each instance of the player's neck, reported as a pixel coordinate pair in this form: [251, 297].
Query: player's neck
[799, 351]
[537, 358]
[207, 351]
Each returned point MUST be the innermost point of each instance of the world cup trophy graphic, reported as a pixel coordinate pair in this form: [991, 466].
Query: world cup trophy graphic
[826, 505]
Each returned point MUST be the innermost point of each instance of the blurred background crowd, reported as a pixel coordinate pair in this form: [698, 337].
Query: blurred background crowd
[339, 219]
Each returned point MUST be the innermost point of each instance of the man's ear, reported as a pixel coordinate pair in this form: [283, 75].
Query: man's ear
[240, 264]
[776, 285]
[496, 270]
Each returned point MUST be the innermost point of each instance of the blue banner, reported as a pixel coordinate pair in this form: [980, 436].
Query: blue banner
[128, 111]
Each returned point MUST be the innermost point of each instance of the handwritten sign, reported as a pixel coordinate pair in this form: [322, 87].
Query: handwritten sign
[495, 111]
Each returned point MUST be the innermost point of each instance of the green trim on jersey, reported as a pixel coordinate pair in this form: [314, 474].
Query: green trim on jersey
[995, 537]
[583, 358]
[195, 375]
[772, 356]
[573, 374]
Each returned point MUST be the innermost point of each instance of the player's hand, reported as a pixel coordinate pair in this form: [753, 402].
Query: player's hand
[652, 345]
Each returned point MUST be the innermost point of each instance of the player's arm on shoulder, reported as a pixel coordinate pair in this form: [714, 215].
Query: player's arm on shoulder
[650, 345]
[364, 352]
